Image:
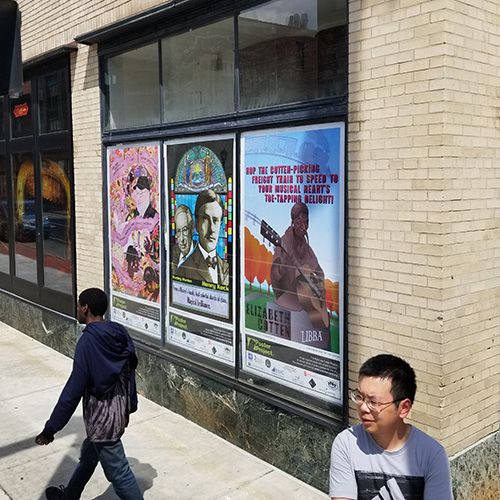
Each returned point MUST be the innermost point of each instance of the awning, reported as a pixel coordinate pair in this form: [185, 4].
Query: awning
[51, 54]
[142, 21]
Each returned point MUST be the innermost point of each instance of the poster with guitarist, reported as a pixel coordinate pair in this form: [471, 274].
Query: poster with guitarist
[293, 213]
[297, 280]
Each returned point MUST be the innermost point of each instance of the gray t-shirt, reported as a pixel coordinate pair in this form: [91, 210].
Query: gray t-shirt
[360, 469]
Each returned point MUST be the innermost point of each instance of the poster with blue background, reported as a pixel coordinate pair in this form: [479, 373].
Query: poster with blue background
[293, 257]
[200, 246]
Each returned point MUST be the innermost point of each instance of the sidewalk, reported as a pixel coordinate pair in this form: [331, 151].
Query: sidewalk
[172, 458]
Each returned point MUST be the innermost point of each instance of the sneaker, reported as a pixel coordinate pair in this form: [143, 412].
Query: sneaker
[55, 493]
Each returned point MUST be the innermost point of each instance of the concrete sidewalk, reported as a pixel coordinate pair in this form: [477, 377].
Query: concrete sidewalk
[172, 458]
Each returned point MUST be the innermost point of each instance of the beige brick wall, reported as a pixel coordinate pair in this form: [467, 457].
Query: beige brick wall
[471, 210]
[88, 171]
[49, 24]
[424, 179]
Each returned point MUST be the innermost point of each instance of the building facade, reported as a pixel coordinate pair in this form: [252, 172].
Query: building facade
[380, 117]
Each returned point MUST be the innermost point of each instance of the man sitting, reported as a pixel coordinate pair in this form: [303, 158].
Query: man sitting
[385, 457]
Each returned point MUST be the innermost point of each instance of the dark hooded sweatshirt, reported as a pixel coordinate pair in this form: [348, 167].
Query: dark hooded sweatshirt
[100, 356]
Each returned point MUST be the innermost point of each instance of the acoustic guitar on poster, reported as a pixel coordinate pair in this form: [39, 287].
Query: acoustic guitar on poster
[310, 289]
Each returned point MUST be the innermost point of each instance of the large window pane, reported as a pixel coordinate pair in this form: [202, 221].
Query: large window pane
[21, 112]
[53, 103]
[198, 72]
[25, 218]
[291, 51]
[56, 189]
[132, 81]
[4, 220]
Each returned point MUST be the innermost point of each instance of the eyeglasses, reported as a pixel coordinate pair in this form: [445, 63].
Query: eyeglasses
[373, 406]
[185, 231]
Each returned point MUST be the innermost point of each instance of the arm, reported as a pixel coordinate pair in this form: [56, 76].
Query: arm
[343, 484]
[438, 477]
[69, 398]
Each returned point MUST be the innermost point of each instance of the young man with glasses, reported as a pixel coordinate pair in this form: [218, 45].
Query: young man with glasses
[385, 457]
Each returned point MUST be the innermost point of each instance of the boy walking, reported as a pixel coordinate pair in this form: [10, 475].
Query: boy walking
[385, 457]
[104, 376]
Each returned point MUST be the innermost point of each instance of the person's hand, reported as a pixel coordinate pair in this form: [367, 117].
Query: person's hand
[42, 439]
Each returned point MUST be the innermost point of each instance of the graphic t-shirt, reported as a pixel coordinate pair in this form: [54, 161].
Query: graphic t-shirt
[361, 469]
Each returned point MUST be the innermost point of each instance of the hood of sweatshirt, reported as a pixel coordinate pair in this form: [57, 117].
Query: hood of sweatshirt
[108, 347]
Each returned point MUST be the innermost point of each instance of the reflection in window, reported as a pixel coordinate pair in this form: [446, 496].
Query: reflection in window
[2, 131]
[292, 50]
[57, 222]
[52, 94]
[198, 72]
[4, 220]
[20, 113]
[132, 81]
[25, 218]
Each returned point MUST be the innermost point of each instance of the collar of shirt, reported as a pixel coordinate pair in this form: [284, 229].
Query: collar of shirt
[211, 270]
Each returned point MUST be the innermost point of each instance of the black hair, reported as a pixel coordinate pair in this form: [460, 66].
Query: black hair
[143, 183]
[208, 196]
[131, 254]
[95, 299]
[150, 275]
[397, 370]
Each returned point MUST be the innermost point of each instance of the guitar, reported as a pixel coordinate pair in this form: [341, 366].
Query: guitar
[310, 289]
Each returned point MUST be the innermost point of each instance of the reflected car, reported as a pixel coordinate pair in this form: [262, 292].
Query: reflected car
[27, 230]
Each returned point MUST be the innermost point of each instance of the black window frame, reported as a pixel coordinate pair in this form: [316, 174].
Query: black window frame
[35, 145]
[319, 111]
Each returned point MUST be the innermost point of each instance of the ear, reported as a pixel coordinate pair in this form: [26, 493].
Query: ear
[404, 408]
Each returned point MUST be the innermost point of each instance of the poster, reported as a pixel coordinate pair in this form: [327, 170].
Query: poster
[293, 263]
[200, 241]
[134, 236]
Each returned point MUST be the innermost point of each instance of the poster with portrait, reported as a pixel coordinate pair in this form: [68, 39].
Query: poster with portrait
[293, 257]
[200, 241]
[134, 236]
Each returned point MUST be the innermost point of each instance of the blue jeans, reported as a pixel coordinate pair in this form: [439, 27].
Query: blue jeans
[114, 464]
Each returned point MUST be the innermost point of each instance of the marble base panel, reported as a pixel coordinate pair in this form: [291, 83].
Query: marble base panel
[476, 472]
[51, 328]
[292, 443]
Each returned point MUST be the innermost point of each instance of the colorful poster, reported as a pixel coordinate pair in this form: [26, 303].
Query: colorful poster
[134, 236]
[293, 259]
[200, 241]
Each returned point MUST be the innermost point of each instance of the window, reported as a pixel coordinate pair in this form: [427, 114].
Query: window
[198, 69]
[25, 217]
[132, 81]
[290, 51]
[21, 113]
[36, 214]
[212, 158]
[4, 220]
[2, 130]
[56, 217]
[53, 102]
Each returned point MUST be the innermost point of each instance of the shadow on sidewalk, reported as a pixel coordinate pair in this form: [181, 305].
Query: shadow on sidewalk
[144, 472]
[74, 427]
